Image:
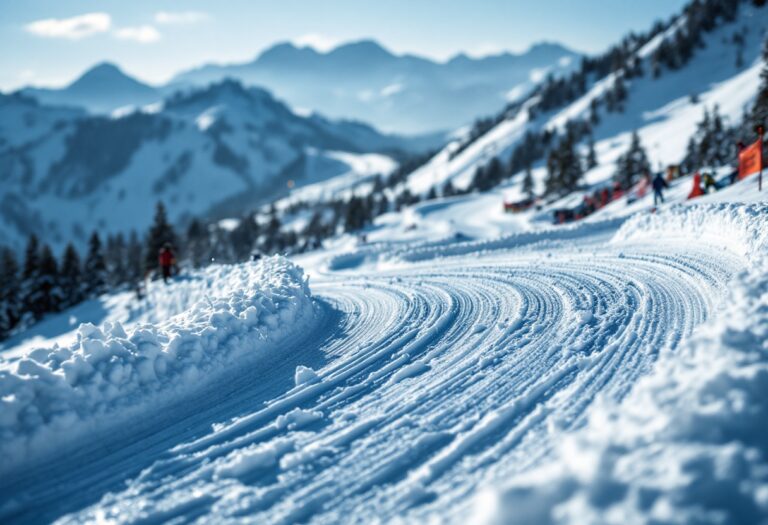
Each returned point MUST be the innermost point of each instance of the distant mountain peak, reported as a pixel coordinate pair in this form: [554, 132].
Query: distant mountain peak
[361, 46]
[106, 75]
[546, 46]
[285, 51]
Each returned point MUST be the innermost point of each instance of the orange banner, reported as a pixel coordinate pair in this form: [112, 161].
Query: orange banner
[750, 159]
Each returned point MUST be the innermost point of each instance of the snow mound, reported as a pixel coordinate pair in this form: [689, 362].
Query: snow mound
[108, 375]
[737, 227]
[688, 444]
[305, 376]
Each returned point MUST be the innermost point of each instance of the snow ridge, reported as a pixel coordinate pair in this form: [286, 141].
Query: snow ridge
[108, 375]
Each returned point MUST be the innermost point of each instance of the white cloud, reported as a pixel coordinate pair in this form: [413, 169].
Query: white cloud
[73, 28]
[392, 89]
[317, 41]
[141, 34]
[180, 17]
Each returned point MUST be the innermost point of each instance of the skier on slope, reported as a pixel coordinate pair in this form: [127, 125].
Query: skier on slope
[167, 261]
[659, 184]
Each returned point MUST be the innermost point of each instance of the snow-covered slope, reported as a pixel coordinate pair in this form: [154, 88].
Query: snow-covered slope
[663, 110]
[222, 149]
[433, 372]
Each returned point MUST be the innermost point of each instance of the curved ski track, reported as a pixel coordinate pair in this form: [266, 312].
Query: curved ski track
[434, 379]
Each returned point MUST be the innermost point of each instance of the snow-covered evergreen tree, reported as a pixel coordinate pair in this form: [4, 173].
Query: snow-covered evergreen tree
[244, 237]
[528, 181]
[10, 292]
[760, 109]
[71, 277]
[49, 294]
[564, 169]
[29, 279]
[632, 164]
[591, 158]
[713, 143]
[95, 268]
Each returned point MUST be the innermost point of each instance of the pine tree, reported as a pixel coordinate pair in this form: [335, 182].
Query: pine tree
[198, 244]
[563, 168]
[448, 189]
[10, 293]
[272, 241]
[494, 173]
[594, 115]
[591, 155]
[160, 233]
[95, 268]
[243, 238]
[632, 164]
[356, 214]
[49, 292]
[528, 182]
[31, 257]
[760, 109]
[134, 259]
[71, 277]
[29, 277]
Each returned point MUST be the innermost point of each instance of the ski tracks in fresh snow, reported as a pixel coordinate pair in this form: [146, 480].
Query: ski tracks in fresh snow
[437, 377]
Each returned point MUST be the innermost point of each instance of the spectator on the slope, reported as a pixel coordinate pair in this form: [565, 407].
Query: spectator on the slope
[605, 197]
[709, 183]
[167, 261]
[659, 184]
[618, 191]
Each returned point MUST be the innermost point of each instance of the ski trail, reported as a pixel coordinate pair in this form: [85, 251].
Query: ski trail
[432, 378]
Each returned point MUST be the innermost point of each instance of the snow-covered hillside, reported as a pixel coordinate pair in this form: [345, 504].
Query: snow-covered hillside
[219, 149]
[664, 110]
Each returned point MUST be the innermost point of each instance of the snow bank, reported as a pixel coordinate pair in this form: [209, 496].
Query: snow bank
[740, 228]
[690, 442]
[108, 375]
[505, 242]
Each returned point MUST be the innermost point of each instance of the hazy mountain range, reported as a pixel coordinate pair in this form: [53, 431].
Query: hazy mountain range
[360, 80]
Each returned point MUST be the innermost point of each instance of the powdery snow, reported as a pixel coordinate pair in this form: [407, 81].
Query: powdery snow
[55, 395]
[688, 444]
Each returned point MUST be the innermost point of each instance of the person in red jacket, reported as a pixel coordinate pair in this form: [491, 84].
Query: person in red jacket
[167, 261]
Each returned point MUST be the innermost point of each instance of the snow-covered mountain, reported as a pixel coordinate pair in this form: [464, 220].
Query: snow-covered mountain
[101, 89]
[219, 149]
[404, 93]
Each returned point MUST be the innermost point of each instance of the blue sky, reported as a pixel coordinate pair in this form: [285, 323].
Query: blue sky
[50, 42]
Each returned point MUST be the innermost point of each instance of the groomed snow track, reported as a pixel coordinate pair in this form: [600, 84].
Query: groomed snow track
[431, 379]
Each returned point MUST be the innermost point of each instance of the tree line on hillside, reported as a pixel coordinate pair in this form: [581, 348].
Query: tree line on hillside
[678, 46]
